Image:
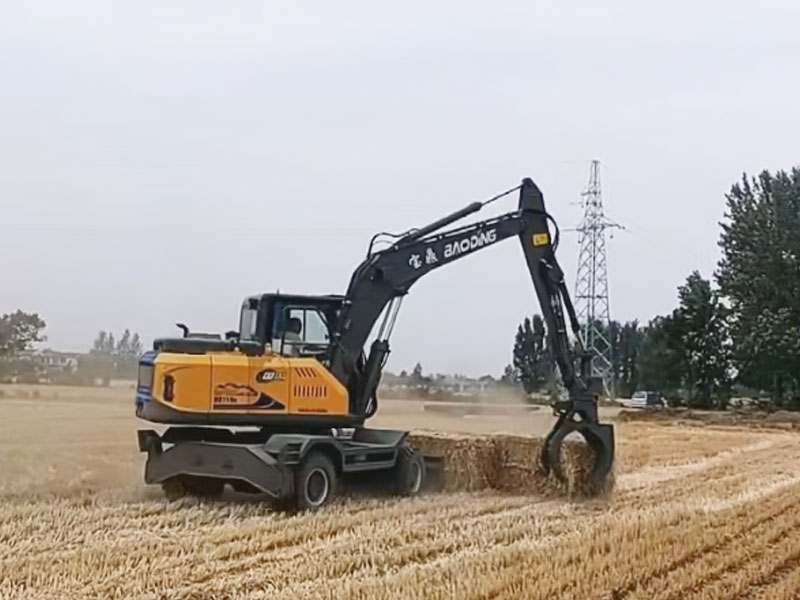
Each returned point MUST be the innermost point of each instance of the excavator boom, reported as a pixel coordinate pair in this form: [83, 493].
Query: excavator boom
[384, 277]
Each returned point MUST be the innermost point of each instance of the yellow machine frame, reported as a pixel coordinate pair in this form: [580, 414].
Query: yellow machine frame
[230, 383]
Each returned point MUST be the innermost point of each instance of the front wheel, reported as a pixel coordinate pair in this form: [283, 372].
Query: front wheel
[314, 482]
[409, 473]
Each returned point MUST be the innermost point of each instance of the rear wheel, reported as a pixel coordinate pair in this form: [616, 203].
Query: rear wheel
[199, 487]
[174, 489]
[205, 487]
[409, 473]
[314, 482]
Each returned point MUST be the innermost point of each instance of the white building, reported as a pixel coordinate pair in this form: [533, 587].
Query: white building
[52, 360]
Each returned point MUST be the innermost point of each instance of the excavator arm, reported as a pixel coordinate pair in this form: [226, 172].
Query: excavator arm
[382, 280]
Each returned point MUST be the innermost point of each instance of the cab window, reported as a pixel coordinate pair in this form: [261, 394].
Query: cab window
[302, 331]
[247, 323]
[314, 329]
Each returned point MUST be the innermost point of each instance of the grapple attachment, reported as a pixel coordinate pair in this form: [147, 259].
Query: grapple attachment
[580, 416]
[598, 436]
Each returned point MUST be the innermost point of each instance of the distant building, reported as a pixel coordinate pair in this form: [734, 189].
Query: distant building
[50, 361]
[456, 385]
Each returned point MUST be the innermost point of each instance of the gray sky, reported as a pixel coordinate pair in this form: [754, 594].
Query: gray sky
[160, 160]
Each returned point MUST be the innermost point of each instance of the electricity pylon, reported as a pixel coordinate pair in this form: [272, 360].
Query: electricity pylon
[591, 284]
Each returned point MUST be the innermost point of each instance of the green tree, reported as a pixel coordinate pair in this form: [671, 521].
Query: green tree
[509, 376]
[418, 377]
[532, 362]
[701, 329]
[126, 354]
[113, 359]
[658, 361]
[136, 346]
[124, 344]
[626, 340]
[759, 274]
[686, 355]
[19, 331]
[103, 344]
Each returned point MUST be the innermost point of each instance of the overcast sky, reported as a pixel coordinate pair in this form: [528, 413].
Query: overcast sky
[160, 160]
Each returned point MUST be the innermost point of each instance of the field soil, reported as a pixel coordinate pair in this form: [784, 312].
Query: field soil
[755, 419]
[705, 511]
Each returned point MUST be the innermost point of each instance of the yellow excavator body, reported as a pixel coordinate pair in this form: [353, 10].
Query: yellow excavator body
[217, 385]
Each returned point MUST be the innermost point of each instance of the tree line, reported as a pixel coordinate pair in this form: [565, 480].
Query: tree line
[19, 331]
[109, 357]
[736, 334]
[112, 358]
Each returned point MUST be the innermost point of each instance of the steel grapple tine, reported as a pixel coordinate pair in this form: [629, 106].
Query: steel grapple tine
[598, 436]
[545, 458]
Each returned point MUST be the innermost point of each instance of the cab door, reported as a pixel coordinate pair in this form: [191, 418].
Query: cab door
[269, 377]
[314, 391]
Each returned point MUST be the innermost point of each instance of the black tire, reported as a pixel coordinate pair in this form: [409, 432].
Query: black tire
[314, 482]
[174, 489]
[205, 487]
[409, 473]
[199, 487]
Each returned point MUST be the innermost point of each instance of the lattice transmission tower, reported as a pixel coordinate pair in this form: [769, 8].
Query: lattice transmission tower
[591, 284]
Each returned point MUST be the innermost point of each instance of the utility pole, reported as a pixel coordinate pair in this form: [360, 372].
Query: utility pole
[591, 283]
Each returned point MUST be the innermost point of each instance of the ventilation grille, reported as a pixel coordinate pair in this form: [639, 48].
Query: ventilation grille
[305, 372]
[310, 391]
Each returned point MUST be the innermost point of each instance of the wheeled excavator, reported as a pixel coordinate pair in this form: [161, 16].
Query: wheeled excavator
[279, 406]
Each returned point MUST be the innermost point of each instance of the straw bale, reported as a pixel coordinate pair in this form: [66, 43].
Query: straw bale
[505, 462]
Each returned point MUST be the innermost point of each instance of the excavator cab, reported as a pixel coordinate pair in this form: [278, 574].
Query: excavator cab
[290, 325]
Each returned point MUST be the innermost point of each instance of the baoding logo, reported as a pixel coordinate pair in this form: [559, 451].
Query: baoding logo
[473, 242]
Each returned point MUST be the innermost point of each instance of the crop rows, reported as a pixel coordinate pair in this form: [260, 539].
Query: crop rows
[696, 513]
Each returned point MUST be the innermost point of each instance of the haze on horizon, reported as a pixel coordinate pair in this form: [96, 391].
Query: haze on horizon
[161, 160]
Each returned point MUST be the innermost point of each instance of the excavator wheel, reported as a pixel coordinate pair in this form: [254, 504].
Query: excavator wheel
[599, 437]
[199, 487]
[314, 482]
[409, 472]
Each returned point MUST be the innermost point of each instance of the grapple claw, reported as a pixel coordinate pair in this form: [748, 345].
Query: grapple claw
[599, 437]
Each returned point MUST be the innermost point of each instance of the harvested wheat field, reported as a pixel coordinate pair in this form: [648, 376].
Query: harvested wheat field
[697, 512]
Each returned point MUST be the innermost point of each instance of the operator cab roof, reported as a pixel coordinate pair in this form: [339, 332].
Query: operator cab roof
[330, 299]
